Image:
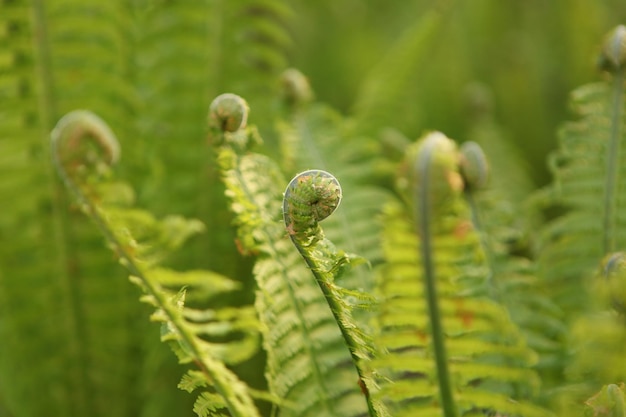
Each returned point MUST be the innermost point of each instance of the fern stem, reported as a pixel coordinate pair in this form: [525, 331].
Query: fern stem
[212, 369]
[613, 158]
[423, 215]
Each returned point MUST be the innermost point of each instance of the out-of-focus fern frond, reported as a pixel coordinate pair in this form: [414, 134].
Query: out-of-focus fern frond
[309, 365]
[598, 339]
[574, 243]
[188, 53]
[64, 321]
[382, 99]
[487, 356]
[512, 279]
[83, 149]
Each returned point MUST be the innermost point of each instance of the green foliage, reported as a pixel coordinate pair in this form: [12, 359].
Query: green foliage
[83, 149]
[488, 358]
[470, 280]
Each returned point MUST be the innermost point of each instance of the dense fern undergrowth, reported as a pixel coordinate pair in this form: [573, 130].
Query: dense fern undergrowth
[297, 261]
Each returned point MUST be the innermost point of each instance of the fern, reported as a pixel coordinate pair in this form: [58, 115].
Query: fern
[487, 358]
[311, 197]
[308, 364]
[52, 329]
[586, 168]
[186, 53]
[382, 96]
[83, 148]
[511, 278]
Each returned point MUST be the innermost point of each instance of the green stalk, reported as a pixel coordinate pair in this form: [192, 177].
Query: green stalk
[613, 159]
[423, 216]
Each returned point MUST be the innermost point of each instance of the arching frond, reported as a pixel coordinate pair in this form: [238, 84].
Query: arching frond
[83, 149]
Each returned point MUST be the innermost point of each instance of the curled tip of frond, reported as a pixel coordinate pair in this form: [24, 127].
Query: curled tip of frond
[73, 134]
[228, 112]
[474, 166]
[310, 197]
[296, 87]
[614, 273]
[433, 164]
[613, 55]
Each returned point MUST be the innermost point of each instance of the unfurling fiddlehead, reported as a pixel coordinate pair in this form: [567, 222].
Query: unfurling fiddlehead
[310, 197]
[82, 144]
[83, 148]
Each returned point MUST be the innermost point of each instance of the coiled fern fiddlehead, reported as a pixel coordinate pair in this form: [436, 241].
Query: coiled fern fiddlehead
[310, 197]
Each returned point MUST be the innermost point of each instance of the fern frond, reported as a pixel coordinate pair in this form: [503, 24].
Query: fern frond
[512, 279]
[488, 359]
[308, 365]
[72, 332]
[597, 339]
[83, 149]
[587, 169]
[311, 197]
[382, 98]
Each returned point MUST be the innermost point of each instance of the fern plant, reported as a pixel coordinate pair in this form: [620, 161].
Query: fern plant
[83, 150]
[430, 290]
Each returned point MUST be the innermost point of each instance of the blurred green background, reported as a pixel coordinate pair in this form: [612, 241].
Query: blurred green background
[74, 340]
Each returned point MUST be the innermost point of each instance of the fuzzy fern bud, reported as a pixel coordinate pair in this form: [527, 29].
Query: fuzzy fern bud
[228, 112]
[296, 87]
[310, 197]
[82, 143]
[613, 55]
[433, 162]
[473, 166]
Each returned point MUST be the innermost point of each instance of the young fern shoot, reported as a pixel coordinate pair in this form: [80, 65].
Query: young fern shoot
[83, 148]
[308, 365]
[310, 197]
